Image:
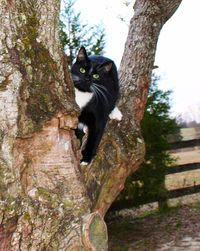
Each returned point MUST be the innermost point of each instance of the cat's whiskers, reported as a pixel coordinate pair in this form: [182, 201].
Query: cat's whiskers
[100, 92]
[75, 78]
[95, 93]
[104, 88]
[101, 86]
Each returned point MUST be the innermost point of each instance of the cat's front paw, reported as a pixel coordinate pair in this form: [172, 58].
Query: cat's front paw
[86, 157]
[116, 114]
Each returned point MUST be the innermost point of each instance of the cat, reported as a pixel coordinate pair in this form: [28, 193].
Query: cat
[96, 93]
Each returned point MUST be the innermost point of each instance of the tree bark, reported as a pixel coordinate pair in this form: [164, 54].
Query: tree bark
[42, 194]
[122, 148]
[47, 202]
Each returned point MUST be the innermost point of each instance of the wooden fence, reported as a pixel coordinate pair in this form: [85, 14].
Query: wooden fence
[184, 178]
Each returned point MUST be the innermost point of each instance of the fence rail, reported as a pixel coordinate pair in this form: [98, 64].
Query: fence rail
[182, 179]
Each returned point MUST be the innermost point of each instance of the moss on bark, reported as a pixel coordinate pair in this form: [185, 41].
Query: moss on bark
[40, 90]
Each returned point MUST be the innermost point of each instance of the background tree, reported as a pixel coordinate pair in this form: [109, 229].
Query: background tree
[147, 184]
[75, 33]
[47, 202]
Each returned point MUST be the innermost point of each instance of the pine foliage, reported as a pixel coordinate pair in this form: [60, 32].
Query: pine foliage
[75, 33]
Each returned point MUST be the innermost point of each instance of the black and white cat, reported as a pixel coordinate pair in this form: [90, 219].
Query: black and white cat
[96, 92]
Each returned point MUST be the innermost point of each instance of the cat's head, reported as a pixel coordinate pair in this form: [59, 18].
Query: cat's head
[90, 71]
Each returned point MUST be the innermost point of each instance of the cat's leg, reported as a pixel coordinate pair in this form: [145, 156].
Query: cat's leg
[79, 134]
[94, 137]
[81, 129]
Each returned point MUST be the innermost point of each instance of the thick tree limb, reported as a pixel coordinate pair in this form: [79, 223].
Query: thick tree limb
[122, 149]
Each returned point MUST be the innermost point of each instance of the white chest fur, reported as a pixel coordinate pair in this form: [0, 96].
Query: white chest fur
[82, 98]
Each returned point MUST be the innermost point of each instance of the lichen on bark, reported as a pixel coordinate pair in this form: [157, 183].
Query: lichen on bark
[38, 115]
[40, 96]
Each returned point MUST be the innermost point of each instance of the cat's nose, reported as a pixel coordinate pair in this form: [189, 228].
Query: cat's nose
[88, 81]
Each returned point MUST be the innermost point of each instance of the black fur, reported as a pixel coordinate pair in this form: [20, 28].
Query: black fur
[106, 91]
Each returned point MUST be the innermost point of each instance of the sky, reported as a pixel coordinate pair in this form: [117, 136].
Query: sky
[178, 49]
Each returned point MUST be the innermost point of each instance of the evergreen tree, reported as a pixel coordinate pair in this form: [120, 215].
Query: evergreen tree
[148, 183]
[74, 33]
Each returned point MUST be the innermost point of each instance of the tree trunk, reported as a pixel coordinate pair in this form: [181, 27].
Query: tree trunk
[47, 202]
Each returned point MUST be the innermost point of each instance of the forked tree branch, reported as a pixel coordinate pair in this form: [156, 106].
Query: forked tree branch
[122, 148]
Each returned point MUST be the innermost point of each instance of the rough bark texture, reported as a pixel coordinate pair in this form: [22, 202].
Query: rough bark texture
[45, 202]
[42, 196]
[122, 149]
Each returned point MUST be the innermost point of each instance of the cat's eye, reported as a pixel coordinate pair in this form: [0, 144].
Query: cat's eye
[82, 70]
[95, 76]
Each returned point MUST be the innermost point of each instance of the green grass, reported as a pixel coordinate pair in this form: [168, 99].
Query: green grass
[121, 248]
[195, 205]
[167, 211]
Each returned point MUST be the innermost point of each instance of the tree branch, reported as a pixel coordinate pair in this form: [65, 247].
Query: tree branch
[122, 147]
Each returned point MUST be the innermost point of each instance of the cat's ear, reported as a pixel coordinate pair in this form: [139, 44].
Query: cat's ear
[82, 55]
[107, 66]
